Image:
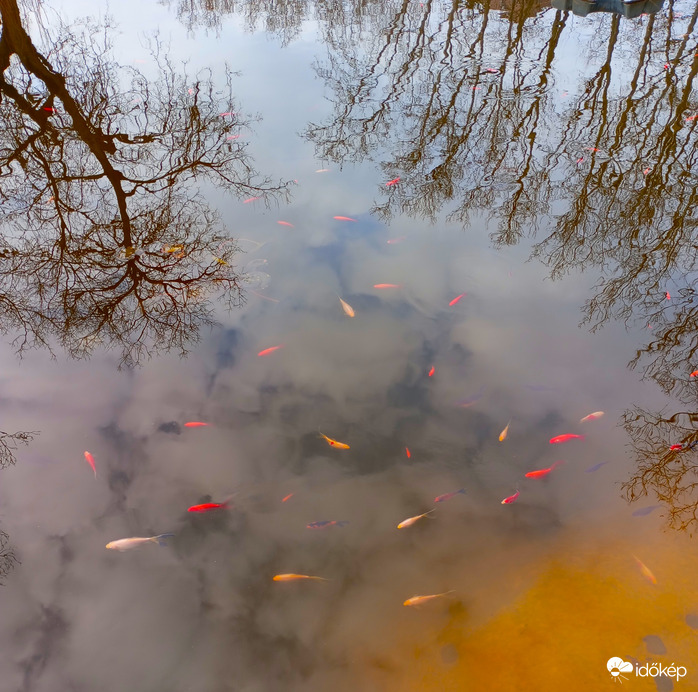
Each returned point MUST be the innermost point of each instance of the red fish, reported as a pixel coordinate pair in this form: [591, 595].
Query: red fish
[91, 461]
[448, 496]
[457, 299]
[591, 149]
[392, 241]
[250, 199]
[50, 110]
[580, 159]
[267, 351]
[232, 136]
[288, 497]
[432, 371]
[694, 373]
[565, 438]
[195, 424]
[668, 295]
[692, 117]
[511, 498]
[646, 171]
[492, 70]
[285, 223]
[407, 451]
[209, 506]
[386, 285]
[344, 218]
[543, 472]
[227, 113]
[675, 447]
[394, 181]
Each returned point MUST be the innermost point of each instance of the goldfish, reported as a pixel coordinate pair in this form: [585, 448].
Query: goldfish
[285, 223]
[399, 239]
[209, 506]
[128, 543]
[223, 115]
[543, 472]
[504, 433]
[288, 497]
[692, 117]
[565, 438]
[173, 248]
[220, 261]
[269, 350]
[392, 182]
[295, 577]
[580, 159]
[50, 110]
[646, 573]
[250, 199]
[325, 524]
[232, 136]
[91, 461]
[419, 600]
[407, 451]
[591, 149]
[412, 520]
[595, 467]
[334, 443]
[694, 374]
[432, 371]
[386, 285]
[675, 447]
[646, 171]
[592, 416]
[511, 498]
[344, 218]
[322, 170]
[196, 424]
[457, 299]
[448, 496]
[668, 295]
[492, 70]
[348, 309]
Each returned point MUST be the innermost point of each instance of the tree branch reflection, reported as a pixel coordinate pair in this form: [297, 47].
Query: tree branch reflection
[105, 238]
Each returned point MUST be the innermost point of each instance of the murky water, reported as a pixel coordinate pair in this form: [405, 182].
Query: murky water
[522, 181]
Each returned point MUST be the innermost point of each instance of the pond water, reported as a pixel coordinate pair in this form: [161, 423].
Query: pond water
[440, 234]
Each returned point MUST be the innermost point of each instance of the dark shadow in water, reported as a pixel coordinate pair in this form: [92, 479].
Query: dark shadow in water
[104, 241]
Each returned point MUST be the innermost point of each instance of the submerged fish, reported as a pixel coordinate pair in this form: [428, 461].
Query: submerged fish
[399, 239]
[91, 461]
[505, 432]
[195, 424]
[209, 506]
[511, 498]
[285, 223]
[344, 218]
[408, 453]
[432, 371]
[411, 520]
[348, 309]
[295, 577]
[128, 543]
[646, 573]
[565, 438]
[325, 524]
[464, 403]
[288, 497]
[592, 416]
[644, 511]
[419, 600]
[596, 467]
[448, 496]
[543, 472]
[269, 350]
[392, 182]
[386, 285]
[334, 443]
[457, 299]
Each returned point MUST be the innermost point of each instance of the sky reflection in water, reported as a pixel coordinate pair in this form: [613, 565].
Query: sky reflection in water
[547, 589]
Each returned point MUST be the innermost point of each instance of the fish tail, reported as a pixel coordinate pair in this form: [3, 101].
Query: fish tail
[160, 540]
[429, 512]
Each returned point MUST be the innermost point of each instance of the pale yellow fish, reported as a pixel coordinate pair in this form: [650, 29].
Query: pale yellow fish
[348, 309]
[419, 600]
[592, 416]
[412, 520]
[503, 434]
[646, 573]
[334, 443]
[295, 577]
[128, 543]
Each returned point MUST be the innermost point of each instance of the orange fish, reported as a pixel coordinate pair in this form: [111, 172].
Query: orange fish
[344, 218]
[394, 181]
[412, 520]
[267, 351]
[432, 371]
[592, 416]
[407, 451]
[295, 577]
[91, 461]
[565, 438]
[646, 573]
[334, 443]
[543, 472]
[511, 498]
[694, 373]
[285, 223]
[348, 309]
[419, 600]
[503, 434]
[195, 424]
[288, 497]
[250, 199]
[323, 170]
[457, 298]
[692, 117]
[232, 136]
[386, 285]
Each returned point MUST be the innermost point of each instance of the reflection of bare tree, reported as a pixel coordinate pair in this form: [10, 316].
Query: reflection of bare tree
[7, 556]
[104, 235]
[670, 474]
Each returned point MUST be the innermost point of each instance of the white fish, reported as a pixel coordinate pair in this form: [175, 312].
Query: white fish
[412, 520]
[592, 416]
[128, 543]
[348, 309]
[419, 600]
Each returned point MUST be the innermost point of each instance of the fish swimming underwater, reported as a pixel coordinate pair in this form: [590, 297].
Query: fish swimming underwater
[127, 543]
